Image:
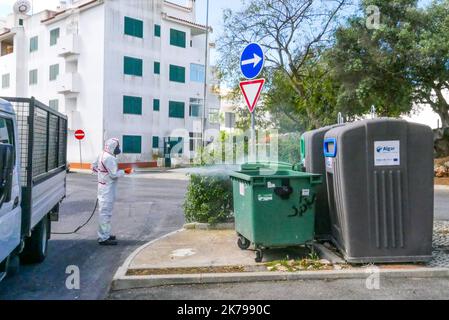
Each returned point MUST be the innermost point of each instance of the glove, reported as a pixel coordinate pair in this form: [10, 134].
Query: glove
[129, 170]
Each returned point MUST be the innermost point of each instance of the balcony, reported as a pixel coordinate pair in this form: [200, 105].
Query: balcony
[68, 46]
[69, 84]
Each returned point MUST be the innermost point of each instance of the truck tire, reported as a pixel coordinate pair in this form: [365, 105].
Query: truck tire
[36, 246]
[13, 265]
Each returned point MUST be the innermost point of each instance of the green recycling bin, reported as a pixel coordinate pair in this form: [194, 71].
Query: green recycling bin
[274, 206]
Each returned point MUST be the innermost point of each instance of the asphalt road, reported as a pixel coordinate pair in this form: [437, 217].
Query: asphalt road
[347, 289]
[146, 209]
[442, 204]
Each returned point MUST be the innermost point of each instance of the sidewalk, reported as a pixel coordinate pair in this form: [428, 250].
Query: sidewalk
[212, 256]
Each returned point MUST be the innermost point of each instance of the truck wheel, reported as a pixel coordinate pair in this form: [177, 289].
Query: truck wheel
[36, 246]
[13, 265]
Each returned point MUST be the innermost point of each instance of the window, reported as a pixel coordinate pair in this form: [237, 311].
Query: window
[195, 107]
[54, 72]
[33, 77]
[132, 144]
[157, 30]
[133, 66]
[20, 22]
[155, 142]
[176, 109]
[6, 79]
[132, 105]
[157, 67]
[34, 44]
[197, 72]
[177, 74]
[54, 104]
[133, 27]
[195, 141]
[214, 116]
[6, 131]
[54, 36]
[177, 38]
[156, 104]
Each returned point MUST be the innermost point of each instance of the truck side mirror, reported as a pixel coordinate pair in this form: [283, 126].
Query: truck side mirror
[6, 172]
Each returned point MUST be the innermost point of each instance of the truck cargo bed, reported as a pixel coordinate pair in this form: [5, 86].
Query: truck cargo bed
[43, 158]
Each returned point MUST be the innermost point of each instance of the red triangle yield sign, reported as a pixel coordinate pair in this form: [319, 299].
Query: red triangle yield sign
[251, 91]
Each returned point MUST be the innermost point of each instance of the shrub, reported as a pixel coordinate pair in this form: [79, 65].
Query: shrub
[208, 199]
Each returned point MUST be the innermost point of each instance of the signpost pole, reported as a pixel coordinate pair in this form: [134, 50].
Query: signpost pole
[81, 158]
[253, 136]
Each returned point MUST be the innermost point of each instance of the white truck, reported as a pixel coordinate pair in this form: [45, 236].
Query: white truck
[33, 151]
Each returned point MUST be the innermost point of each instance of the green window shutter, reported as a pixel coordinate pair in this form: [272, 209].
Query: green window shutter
[177, 38]
[157, 30]
[133, 66]
[54, 36]
[176, 109]
[133, 27]
[177, 74]
[132, 144]
[132, 105]
[155, 142]
[157, 67]
[54, 104]
[54, 72]
[34, 44]
[33, 77]
[6, 79]
[156, 104]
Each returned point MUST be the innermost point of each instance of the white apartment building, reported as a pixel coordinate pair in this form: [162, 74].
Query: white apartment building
[131, 69]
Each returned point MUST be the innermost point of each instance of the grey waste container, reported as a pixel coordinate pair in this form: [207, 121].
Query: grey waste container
[313, 162]
[380, 185]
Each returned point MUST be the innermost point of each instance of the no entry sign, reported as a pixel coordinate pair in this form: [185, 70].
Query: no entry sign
[80, 135]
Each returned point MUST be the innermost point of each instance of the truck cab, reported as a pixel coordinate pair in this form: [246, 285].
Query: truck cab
[10, 195]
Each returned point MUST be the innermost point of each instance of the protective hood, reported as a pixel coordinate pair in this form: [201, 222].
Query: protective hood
[111, 145]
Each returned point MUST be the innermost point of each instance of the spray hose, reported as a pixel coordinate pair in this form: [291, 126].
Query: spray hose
[81, 226]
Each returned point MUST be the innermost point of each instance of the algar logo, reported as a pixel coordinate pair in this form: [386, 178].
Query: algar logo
[385, 149]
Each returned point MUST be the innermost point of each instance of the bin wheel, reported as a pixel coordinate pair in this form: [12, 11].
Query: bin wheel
[259, 256]
[243, 243]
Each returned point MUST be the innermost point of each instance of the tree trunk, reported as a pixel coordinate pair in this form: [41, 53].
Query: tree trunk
[442, 108]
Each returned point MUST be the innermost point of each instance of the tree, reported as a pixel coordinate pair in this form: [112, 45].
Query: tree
[291, 33]
[402, 62]
[314, 109]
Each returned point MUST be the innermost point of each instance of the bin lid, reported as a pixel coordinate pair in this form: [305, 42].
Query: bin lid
[266, 173]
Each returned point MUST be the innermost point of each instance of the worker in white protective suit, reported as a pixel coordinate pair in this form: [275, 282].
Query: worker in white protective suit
[106, 167]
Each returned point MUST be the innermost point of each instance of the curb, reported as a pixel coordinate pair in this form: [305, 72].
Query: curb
[123, 282]
[208, 226]
[441, 187]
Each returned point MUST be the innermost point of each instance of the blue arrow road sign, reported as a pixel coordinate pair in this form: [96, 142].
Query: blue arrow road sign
[252, 61]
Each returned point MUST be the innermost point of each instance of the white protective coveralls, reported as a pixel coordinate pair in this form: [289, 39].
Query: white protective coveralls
[107, 168]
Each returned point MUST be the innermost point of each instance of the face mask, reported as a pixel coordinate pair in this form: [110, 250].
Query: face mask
[117, 151]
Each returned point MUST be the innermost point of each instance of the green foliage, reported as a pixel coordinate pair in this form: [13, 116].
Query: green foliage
[401, 63]
[289, 148]
[208, 199]
[316, 107]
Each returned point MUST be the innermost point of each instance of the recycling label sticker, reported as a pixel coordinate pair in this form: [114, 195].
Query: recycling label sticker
[387, 153]
[265, 197]
[242, 189]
